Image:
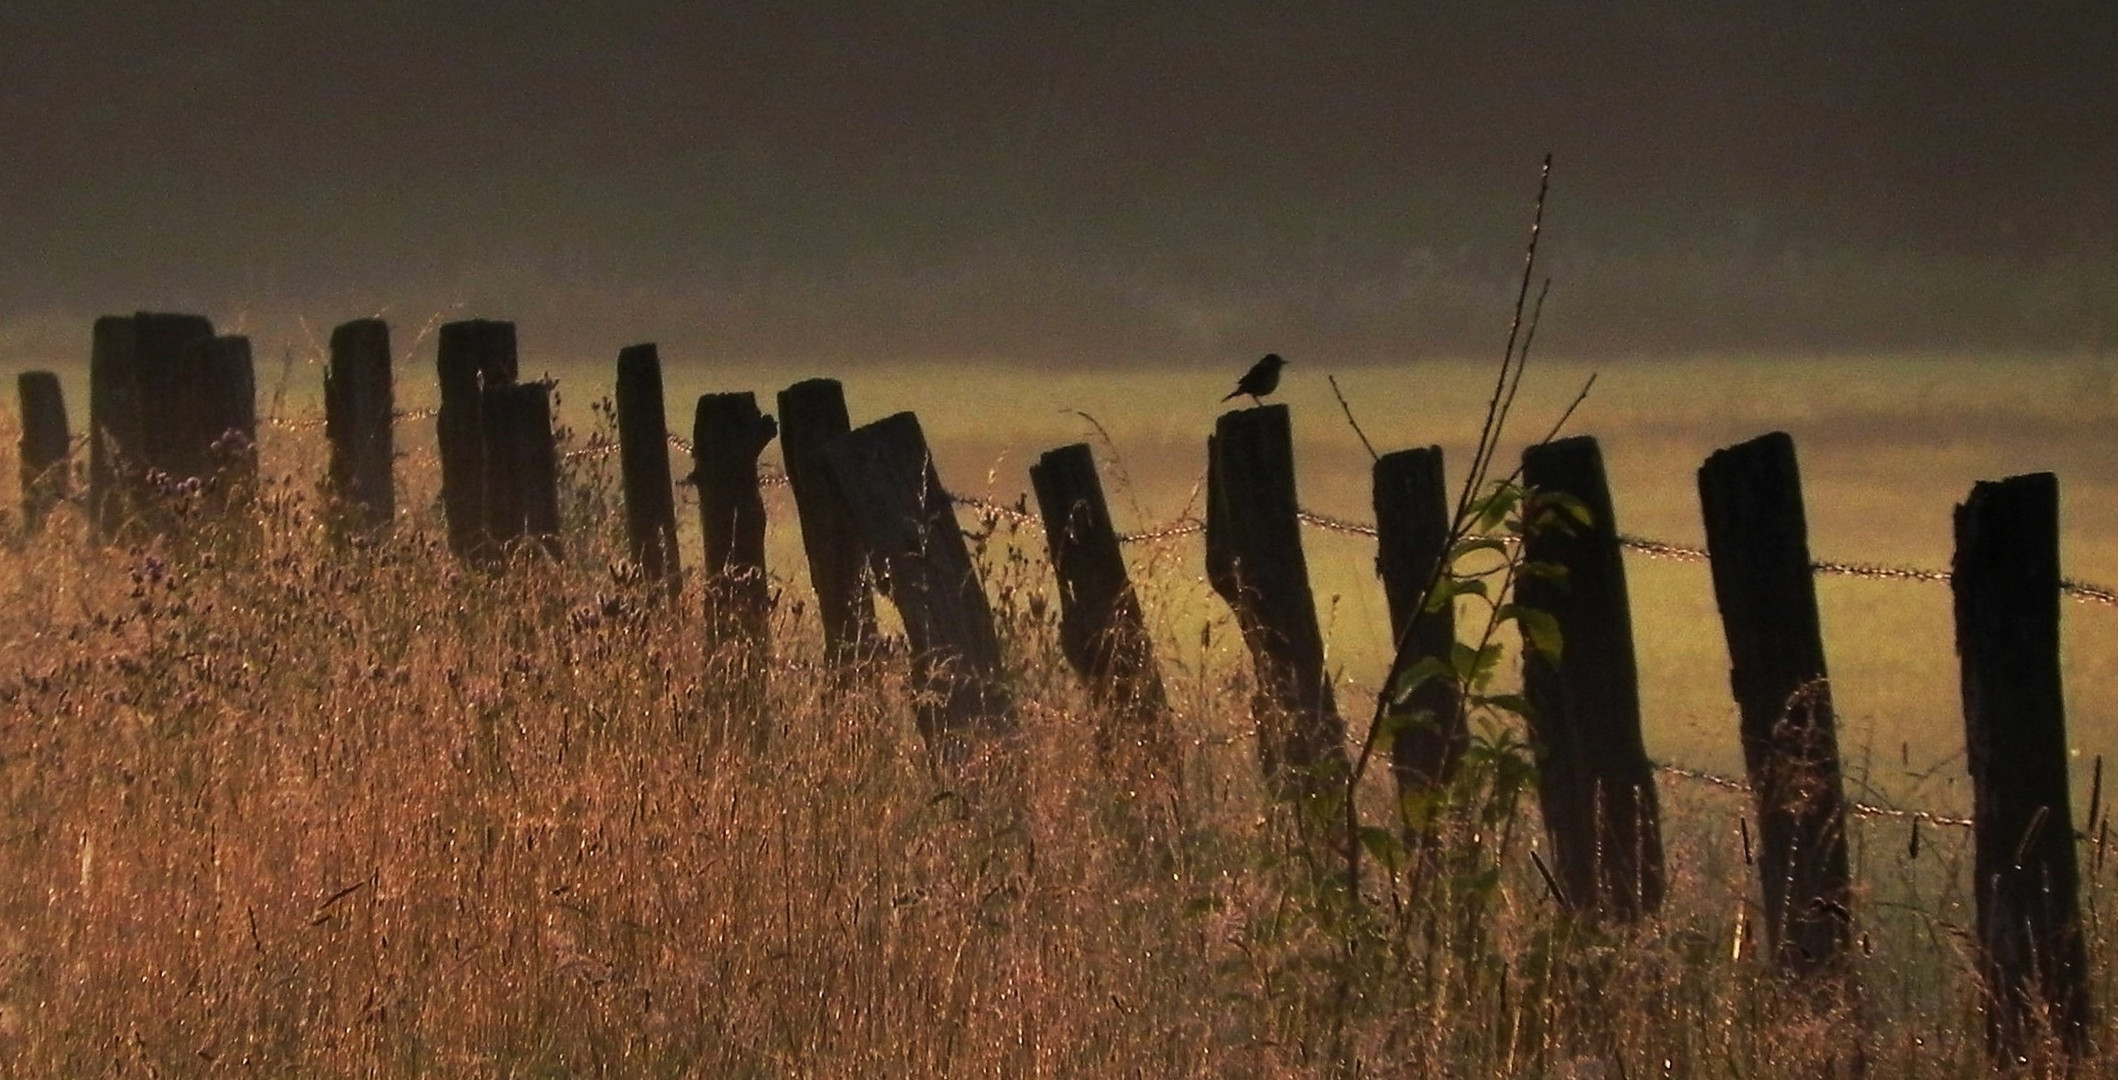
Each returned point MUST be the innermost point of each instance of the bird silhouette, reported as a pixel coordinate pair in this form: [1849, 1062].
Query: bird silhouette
[1262, 378]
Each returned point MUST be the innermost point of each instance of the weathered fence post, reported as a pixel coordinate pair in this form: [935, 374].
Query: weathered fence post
[728, 434]
[2006, 583]
[114, 437]
[812, 414]
[885, 475]
[173, 352]
[643, 456]
[1101, 628]
[47, 446]
[138, 415]
[224, 386]
[1758, 538]
[1594, 781]
[1411, 541]
[471, 356]
[521, 493]
[359, 414]
[1254, 561]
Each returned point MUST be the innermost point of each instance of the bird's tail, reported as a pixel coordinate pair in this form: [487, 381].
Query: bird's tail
[1232, 394]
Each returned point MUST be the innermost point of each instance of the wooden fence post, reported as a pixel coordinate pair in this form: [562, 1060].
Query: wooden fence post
[1254, 561]
[173, 350]
[521, 489]
[138, 415]
[2006, 584]
[1101, 628]
[471, 356]
[1594, 781]
[114, 435]
[225, 388]
[47, 446]
[1758, 537]
[1411, 539]
[359, 414]
[728, 434]
[885, 475]
[643, 456]
[812, 414]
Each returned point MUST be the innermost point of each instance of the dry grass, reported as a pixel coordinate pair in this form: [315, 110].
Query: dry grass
[309, 811]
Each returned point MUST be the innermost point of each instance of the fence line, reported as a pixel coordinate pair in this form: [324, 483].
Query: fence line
[1188, 524]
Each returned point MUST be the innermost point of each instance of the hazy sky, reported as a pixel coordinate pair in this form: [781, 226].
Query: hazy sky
[1070, 183]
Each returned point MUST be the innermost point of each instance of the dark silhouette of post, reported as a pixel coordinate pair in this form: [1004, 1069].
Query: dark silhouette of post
[812, 414]
[1595, 784]
[1101, 628]
[643, 456]
[1412, 541]
[1254, 561]
[471, 357]
[47, 446]
[1758, 537]
[174, 353]
[727, 436]
[142, 415]
[885, 475]
[114, 434]
[224, 440]
[521, 489]
[2027, 882]
[359, 418]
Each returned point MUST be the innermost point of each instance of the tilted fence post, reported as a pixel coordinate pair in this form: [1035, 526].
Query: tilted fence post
[1101, 628]
[359, 418]
[728, 434]
[47, 446]
[471, 357]
[643, 456]
[1594, 780]
[1254, 561]
[812, 414]
[1411, 541]
[1758, 537]
[885, 475]
[2027, 881]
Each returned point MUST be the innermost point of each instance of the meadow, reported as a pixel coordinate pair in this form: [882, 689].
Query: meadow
[279, 806]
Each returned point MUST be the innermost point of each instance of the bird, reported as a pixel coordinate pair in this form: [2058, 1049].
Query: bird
[1262, 378]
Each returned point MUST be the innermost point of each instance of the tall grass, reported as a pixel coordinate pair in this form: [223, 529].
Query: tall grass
[275, 805]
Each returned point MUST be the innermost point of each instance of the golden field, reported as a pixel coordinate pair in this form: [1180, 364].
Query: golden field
[293, 809]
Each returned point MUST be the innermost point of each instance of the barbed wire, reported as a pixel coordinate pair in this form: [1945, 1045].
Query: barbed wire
[1863, 809]
[1188, 524]
[2082, 591]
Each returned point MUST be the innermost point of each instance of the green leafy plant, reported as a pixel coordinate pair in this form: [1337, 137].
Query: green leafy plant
[1451, 840]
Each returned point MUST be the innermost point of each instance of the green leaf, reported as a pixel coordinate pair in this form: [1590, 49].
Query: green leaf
[1512, 703]
[1496, 506]
[1549, 571]
[1563, 511]
[1426, 669]
[1471, 545]
[1421, 808]
[1474, 666]
[1439, 595]
[1397, 722]
[1540, 629]
[1381, 843]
